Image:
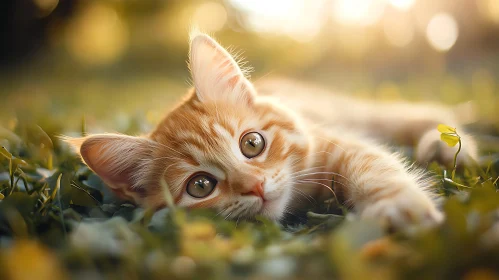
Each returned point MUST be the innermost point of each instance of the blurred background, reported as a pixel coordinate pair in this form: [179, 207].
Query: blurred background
[119, 64]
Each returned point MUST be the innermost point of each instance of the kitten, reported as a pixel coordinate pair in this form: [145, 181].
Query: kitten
[228, 148]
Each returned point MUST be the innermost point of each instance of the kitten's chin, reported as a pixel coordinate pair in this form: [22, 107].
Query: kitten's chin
[274, 209]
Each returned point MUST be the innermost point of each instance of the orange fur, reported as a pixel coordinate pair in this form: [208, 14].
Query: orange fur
[203, 134]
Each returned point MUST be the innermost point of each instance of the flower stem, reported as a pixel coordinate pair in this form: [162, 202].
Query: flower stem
[455, 160]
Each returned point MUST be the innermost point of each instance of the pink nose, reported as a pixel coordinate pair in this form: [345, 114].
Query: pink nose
[256, 191]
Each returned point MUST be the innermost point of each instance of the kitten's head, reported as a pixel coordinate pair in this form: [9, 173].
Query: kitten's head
[223, 147]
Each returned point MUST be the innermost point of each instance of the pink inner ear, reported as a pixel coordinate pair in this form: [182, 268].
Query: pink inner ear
[98, 156]
[228, 65]
[215, 73]
[230, 69]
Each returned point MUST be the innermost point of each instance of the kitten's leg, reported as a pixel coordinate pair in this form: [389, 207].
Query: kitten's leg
[375, 182]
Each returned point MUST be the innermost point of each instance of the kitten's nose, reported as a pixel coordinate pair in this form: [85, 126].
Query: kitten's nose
[257, 190]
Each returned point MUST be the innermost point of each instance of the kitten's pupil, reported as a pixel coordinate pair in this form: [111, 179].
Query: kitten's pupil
[252, 144]
[201, 186]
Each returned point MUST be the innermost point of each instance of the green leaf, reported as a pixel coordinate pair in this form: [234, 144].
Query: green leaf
[81, 196]
[9, 135]
[83, 126]
[445, 129]
[5, 153]
[39, 137]
[170, 202]
[18, 162]
[21, 201]
[451, 140]
[57, 187]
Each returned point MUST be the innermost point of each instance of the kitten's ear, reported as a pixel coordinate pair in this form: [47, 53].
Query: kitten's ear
[215, 73]
[117, 159]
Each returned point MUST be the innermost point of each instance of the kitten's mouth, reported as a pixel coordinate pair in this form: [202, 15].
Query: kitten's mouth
[261, 197]
[266, 202]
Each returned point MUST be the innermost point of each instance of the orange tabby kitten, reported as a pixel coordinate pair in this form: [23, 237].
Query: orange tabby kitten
[228, 148]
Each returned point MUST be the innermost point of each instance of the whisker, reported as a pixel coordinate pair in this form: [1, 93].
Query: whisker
[288, 211]
[322, 172]
[228, 215]
[163, 145]
[306, 169]
[322, 179]
[326, 152]
[331, 142]
[238, 211]
[308, 197]
[219, 213]
[300, 198]
[329, 180]
[163, 158]
[309, 155]
[312, 154]
[326, 186]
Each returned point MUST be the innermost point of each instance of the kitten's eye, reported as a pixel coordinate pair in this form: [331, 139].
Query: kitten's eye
[252, 144]
[201, 186]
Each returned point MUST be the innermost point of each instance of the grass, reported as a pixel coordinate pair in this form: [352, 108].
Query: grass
[58, 220]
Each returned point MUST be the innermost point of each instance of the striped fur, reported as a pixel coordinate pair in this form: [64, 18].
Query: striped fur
[300, 160]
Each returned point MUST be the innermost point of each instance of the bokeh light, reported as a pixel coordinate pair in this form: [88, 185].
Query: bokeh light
[367, 46]
[399, 31]
[358, 12]
[388, 91]
[299, 19]
[402, 4]
[489, 9]
[45, 7]
[210, 16]
[442, 32]
[96, 36]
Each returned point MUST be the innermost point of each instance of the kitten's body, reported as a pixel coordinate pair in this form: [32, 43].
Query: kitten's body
[396, 122]
[199, 148]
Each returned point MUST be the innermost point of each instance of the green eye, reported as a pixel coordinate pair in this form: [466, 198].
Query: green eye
[252, 144]
[201, 186]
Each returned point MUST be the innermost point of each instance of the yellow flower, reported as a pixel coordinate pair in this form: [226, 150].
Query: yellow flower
[446, 129]
[448, 135]
[43, 264]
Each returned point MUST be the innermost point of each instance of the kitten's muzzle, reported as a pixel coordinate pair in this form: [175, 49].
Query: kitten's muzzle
[257, 190]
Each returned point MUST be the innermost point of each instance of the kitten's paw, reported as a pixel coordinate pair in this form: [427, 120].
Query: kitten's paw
[408, 208]
[431, 148]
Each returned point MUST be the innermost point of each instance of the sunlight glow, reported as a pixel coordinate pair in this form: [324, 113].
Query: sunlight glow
[399, 31]
[96, 35]
[489, 9]
[45, 7]
[403, 5]
[442, 32]
[210, 16]
[299, 19]
[358, 12]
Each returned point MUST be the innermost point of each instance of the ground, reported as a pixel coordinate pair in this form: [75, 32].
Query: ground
[58, 220]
